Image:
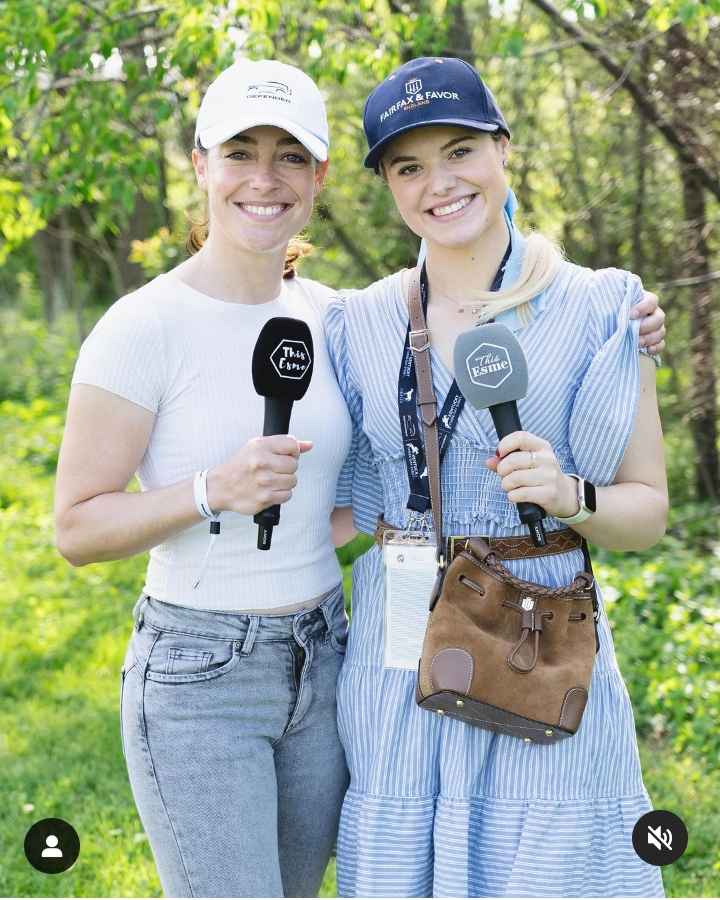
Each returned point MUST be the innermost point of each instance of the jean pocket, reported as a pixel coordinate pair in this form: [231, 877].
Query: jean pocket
[178, 658]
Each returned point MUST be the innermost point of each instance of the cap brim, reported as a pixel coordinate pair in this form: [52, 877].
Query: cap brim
[373, 158]
[211, 137]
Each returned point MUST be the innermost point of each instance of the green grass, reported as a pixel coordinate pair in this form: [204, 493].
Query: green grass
[64, 636]
[62, 650]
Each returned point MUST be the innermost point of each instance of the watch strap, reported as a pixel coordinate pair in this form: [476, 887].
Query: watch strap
[583, 512]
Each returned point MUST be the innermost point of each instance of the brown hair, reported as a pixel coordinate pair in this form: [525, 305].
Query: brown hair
[297, 248]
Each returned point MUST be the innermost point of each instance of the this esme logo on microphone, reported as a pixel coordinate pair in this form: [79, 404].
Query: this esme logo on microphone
[489, 365]
[291, 359]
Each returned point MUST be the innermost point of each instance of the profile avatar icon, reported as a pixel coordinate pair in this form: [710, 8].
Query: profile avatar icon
[52, 846]
[52, 849]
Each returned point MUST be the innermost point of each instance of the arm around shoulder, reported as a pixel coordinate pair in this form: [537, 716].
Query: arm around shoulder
[632, 510]
[643, 462]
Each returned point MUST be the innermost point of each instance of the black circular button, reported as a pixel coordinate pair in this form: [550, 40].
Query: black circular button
[660, 837]
[52, 846]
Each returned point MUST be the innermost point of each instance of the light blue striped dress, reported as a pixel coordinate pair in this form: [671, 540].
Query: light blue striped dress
[437, 807]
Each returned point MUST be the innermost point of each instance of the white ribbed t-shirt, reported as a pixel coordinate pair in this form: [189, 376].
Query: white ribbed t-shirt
[187, 358]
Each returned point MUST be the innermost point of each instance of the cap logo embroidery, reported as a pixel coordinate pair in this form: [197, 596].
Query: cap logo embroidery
[413, 87]
[413, 101]
[269, 90]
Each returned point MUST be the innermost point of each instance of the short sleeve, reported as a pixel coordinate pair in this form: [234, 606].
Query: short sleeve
[604, 408]
[358, 484]
[124, 354]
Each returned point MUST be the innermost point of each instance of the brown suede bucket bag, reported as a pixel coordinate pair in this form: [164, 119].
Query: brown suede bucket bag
[499, 652]
[507, 654]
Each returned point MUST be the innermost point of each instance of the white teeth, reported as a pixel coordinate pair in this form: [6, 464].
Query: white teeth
[451, 208]
[263, 210]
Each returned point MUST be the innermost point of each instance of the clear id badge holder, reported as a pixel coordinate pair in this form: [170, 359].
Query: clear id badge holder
[410, 564]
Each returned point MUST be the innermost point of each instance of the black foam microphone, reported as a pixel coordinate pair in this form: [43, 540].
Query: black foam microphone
[281, 370]
[491, 371]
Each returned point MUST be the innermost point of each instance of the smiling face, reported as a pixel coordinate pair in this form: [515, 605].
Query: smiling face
[260, 187]
[448, 182]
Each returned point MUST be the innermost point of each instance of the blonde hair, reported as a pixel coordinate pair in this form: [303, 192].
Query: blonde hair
[541, 262]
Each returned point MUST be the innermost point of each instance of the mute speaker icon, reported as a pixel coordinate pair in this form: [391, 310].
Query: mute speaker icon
[659, 838]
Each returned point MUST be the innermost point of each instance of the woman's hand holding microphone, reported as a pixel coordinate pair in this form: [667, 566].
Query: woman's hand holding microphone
[530, 472]
[261, 474]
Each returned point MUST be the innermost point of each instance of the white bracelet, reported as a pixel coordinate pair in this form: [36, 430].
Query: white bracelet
[200, 495]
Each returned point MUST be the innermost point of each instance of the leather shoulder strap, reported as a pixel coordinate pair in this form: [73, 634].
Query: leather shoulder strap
[420, 346]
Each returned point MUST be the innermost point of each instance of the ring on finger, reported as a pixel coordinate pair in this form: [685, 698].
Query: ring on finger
[533, 463]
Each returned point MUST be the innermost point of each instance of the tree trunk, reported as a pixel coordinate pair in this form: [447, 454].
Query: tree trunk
[146, 217]
[49, 273]
[522, 75]
[703, 397]
[703, 391]
[592, 212]
[644, 101]
[641, 140]
[459, 34]
[66, 258]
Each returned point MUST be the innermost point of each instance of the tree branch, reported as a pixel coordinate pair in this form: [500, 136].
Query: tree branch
[689, 282]
[643, 102]
[367, 267]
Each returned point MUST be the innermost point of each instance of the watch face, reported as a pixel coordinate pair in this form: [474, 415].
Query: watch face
[590, 501]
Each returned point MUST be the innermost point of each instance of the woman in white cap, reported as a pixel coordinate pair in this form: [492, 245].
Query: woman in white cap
[228, 684]
[436, 806]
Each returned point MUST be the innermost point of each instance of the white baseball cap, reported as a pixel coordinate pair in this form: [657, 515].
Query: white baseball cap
[263, 92]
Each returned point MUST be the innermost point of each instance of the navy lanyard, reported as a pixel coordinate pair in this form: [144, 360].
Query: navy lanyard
[419, 499]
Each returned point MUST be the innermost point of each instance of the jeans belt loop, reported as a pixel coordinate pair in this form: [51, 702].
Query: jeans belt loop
[140, 620]
[249, 641]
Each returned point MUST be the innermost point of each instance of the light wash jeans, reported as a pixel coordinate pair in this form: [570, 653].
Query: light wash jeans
[229, 735]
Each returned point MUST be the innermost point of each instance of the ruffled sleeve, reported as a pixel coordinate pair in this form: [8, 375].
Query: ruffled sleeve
[358, 484]
[603, 413]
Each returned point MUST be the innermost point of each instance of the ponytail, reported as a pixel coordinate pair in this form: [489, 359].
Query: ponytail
[541, 262]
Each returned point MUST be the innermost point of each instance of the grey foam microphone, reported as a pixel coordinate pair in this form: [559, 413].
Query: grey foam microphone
[491, 372]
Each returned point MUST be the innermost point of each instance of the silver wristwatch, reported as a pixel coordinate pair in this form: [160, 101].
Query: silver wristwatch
[586, 502]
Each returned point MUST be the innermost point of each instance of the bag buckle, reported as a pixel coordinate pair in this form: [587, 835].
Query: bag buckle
[426, 337]
[456, 544]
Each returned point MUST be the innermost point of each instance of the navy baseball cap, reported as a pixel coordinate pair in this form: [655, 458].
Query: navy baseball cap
[432, 90]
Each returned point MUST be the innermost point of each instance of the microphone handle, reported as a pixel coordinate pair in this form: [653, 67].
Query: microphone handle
[277, 416]
[277, 421]
[506, 420]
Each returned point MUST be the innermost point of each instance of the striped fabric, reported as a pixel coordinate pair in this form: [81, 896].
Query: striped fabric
[437, 807]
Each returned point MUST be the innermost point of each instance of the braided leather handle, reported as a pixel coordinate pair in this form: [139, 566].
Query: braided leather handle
[478, 552]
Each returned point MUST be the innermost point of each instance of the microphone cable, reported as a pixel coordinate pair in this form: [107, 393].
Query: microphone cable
[203, 507]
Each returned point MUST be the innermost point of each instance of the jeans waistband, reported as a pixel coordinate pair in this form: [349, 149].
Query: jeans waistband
[324, 611]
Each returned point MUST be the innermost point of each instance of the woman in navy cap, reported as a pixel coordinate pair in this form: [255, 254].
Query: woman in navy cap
[437, 807]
